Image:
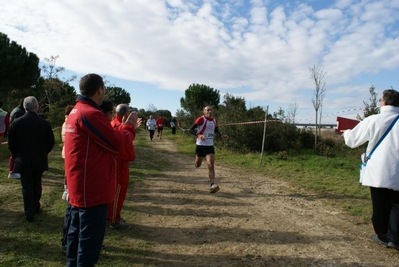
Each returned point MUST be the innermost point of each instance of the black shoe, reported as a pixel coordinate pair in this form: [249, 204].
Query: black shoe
[393, 245]
[121, 225]
[375, 239]
[29, 219]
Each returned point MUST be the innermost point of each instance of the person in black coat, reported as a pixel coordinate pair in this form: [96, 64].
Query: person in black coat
[30, 140]
[17, 111]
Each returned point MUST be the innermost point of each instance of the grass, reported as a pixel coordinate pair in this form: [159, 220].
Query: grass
[334, 180]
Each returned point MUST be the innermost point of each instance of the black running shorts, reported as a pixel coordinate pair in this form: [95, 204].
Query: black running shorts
[202, 151]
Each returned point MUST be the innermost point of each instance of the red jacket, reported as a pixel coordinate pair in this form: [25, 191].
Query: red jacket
[90, 148]
[127, 153]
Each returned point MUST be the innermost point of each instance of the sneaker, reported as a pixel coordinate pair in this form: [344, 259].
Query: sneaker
[14, 175]
[376, 239]
[120, 225]
[214, 188]
[393, 245]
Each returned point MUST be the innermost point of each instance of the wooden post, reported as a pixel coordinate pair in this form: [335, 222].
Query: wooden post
[264, 135]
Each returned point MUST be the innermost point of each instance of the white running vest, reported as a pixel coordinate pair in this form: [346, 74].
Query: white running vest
[208, 132]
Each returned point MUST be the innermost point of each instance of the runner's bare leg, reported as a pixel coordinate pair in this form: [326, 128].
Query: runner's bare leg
[198, 161]
[210, 160]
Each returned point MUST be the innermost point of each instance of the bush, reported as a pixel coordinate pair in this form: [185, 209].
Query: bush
[282, 155]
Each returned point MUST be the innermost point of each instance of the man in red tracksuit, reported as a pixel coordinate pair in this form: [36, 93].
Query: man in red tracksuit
[91, 145]
[122, 179]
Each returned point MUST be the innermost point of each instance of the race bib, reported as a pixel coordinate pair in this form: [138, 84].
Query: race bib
[209, 136]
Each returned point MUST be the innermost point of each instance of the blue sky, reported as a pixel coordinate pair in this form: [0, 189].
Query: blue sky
[260, 50]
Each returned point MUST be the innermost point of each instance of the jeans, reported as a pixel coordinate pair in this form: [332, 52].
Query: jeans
[85, 235]
[67, 223]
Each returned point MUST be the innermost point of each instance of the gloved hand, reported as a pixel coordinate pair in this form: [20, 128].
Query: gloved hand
[65, 195]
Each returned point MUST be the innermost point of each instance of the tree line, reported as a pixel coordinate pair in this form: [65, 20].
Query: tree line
[21, 75]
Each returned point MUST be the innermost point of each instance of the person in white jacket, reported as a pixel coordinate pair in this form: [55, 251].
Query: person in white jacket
[151, 126]
[382, 171]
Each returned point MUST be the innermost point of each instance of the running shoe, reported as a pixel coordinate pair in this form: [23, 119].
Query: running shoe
[214, 188]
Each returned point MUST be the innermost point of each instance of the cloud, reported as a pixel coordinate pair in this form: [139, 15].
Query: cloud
[224, 44]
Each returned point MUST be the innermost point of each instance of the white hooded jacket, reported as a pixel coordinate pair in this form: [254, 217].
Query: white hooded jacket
[382, 169]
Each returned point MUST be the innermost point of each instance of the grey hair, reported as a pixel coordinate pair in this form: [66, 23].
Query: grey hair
[30, 103]
[121, 109]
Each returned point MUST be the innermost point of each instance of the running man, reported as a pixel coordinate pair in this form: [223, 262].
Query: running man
[160, 124]
[205, 128]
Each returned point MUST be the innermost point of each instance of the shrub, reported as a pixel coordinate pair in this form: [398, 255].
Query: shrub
[282, 155]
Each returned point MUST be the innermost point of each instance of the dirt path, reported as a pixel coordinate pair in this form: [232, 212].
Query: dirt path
[251, 221]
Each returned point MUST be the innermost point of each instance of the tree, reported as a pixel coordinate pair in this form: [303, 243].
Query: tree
[151, 108]
[54, 87]
[280, 115]
[292, 113]
[317, 76]
[372, 108]
[117, 94]
[197, 96]
[19, 69]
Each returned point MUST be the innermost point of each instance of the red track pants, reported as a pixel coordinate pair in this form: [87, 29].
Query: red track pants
[115, 207]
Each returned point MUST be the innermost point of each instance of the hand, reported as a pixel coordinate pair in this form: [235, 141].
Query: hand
[225, 137]
[65, 195]
[202, 137]
[139, 122]
[131, 119]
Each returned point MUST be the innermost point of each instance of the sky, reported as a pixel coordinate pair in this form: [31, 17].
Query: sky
[260, 50]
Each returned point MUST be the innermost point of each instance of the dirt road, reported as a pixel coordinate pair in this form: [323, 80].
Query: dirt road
[251, 221]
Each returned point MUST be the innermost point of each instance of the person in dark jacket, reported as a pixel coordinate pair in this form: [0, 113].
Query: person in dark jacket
[18, 111]
[30, 140]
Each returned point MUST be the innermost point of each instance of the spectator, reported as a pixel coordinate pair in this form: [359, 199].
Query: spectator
[173, 125]
[30, 140]
[4, 122]
[108, 109]
[151, 123]
[67, 217]
[382, 171]
[160, 124]
[122, 179]
[18, 111]
[90, 149]
[15, 114]
[205, 128]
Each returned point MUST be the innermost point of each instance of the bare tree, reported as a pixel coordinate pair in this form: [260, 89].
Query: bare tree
[317, 76]
[151, 107]
[52, 83]
[292, 112]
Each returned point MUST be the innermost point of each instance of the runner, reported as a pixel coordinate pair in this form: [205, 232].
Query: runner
[204, 128]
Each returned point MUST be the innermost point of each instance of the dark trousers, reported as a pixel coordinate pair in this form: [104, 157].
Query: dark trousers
[85, 235]
[31, 183]
[173, 130]
[67, 223]
[152, 134]
[385, 216]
